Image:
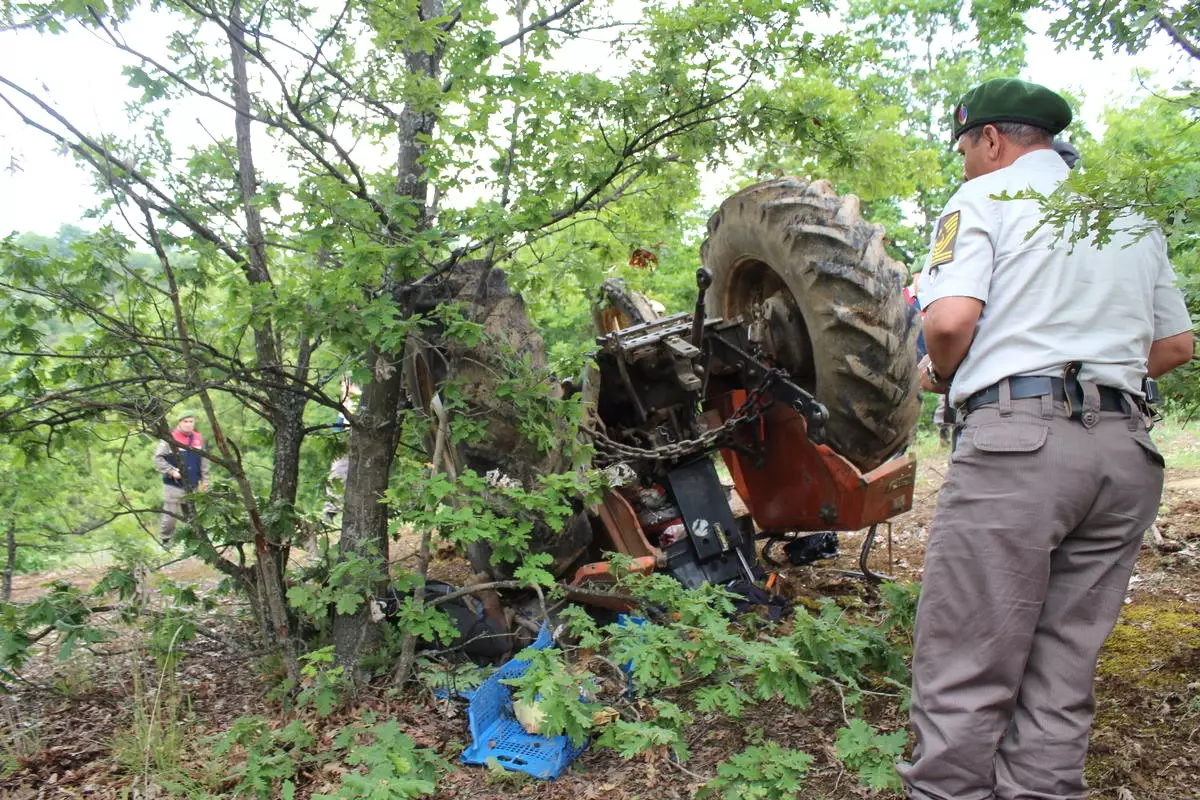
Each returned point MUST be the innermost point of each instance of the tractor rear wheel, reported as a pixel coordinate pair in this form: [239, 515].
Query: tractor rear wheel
[618, 307]
[501, 450]
[800, 261]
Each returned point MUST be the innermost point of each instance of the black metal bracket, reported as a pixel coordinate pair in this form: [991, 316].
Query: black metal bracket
[703, 281]
[780, 386]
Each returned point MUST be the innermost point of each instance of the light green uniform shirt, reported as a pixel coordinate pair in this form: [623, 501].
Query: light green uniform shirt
[1048, 302]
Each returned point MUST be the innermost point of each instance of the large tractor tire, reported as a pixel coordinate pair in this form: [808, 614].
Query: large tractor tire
[799, 263]
[432, 360]
[618, 307]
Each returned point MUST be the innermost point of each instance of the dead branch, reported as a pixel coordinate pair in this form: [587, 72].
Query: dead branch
[207, 633]
[479, 587]
[408, 644]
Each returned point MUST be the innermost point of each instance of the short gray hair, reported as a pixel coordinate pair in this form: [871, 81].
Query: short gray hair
[1019, 132]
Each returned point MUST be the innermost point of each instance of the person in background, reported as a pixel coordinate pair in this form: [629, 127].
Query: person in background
[339, 469]
[183, 472]
[1067, 151]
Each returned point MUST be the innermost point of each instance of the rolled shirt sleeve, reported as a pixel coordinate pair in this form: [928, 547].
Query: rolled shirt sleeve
[1171, 316]
[961, 251]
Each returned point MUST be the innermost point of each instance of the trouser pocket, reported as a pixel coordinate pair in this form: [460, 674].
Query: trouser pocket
[1014, 437]
[1143, 440]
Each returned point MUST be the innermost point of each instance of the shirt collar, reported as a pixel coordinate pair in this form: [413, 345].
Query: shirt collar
[1042, 159]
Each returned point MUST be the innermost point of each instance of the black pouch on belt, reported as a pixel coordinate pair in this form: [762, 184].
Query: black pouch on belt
[1073, 389]
[1148, 405]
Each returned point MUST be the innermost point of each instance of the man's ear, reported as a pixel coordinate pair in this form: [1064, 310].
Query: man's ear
[991, 138]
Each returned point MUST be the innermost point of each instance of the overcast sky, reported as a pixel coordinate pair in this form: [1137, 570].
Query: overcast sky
[80, 74]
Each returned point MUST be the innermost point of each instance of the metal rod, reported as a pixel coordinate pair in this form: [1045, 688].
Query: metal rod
[891, 561]
[623, 370]
[703, 281]
[865, 555]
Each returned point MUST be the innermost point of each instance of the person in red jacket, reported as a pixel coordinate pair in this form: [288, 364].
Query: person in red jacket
[184, 471]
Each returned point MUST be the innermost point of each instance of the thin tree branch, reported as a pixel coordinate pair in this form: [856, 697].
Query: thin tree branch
[104, 160]
[541, 23]
[1168, 28]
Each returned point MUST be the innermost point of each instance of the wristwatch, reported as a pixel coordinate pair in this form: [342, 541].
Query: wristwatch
[934, 378]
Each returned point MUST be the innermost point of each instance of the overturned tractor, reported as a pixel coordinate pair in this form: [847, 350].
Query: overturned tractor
[796, 366]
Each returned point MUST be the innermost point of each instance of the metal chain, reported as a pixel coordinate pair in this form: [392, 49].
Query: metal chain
[747, 412]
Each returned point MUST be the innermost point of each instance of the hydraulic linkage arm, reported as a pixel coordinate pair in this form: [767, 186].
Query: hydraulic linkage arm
[765, 378]
[727, 351]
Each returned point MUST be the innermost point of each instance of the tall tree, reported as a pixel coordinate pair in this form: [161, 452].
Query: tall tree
[1113, 26]
[1147, 171]
[404, 139]
[1145, 162]
[874, 118]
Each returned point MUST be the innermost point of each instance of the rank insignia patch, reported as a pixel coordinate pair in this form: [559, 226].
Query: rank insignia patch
[945, 239]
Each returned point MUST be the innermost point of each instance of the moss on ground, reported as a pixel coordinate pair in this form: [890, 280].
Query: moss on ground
[1144, 695]
[1155, 643]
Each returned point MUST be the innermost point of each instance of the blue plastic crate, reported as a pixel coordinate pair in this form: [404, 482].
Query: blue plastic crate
[625, 621]
[496, 733]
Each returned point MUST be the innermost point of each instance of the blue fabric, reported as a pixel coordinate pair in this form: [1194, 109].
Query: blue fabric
[190, 469]
[914, 310]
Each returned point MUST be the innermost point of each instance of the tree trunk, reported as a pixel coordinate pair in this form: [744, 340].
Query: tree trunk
[288, 424]
[373, 441]
[10, 560]
[273, 544]
[270, 545]
[364, 515]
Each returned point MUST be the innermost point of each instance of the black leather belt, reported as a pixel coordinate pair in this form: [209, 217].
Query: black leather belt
[1024, 386]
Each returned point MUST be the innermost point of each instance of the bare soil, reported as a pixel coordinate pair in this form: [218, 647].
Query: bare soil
[66, 725]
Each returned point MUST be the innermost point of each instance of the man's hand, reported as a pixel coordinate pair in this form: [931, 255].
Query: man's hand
[204, 486]
[949, 327]
[176, 474]
[927, 382]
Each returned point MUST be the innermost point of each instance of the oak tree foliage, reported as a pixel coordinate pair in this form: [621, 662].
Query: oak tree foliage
[351, 154]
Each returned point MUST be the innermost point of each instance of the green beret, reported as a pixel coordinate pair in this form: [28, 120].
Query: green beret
[1010, 100]
[185, 413]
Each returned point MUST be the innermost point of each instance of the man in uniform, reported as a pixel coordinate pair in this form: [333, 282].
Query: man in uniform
[944, 415]
[1043, 347]
[183, 472]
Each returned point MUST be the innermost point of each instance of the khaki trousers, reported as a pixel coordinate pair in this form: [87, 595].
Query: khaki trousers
[173, 509]
[1032, 544]
[335, 486]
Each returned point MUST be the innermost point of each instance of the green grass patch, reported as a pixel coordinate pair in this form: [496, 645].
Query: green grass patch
[928, 447]
[1179, 441]
[1177, 437]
